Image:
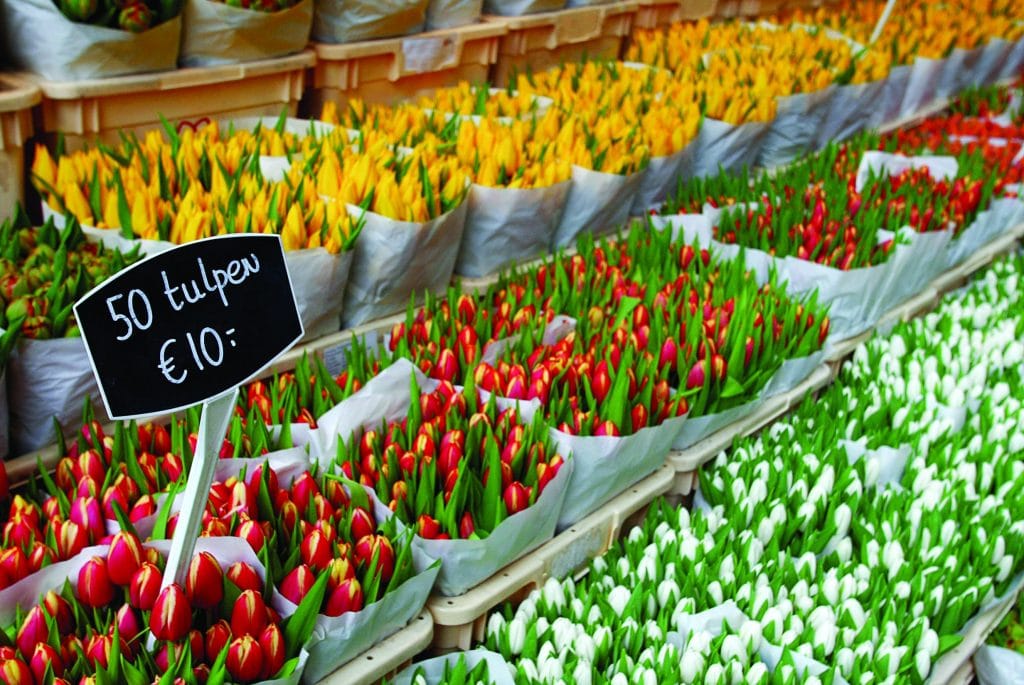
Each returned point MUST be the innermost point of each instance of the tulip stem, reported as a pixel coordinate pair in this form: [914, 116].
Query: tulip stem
[213, 424]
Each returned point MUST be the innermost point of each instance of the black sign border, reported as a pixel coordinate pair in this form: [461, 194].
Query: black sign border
[141, 262]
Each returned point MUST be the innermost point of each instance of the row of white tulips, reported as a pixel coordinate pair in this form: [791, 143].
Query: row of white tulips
[853, 542]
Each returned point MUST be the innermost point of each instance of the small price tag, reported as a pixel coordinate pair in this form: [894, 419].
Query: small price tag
[189, 324]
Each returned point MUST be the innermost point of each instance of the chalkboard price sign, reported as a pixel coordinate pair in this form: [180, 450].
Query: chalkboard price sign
[190, 323]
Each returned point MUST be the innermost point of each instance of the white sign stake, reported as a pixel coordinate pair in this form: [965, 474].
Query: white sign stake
[882, 21]
[212, 427]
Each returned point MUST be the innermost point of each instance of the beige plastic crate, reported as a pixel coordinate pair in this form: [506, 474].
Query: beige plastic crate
[541, 41]
[652, 14]
[17, 99]
[396, 69]
[759, 8]
[685, 463]
[85, 110]
[460, 621]
[388, 656]
[727, 9]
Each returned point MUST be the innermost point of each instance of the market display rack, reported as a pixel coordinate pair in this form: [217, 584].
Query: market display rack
[17, 100]
[387, 657]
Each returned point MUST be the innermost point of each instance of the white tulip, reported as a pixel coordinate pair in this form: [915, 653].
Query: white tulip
[603, 638]
[619, 679]
[618, 599]
[495, 624]
[751, 635]
[516, 635]
[714, 675]
[583, 674]
[553, 594]
[715, 591]
[691, 664]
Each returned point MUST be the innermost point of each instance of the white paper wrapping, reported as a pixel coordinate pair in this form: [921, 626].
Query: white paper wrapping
[339, 639]
[721, 145]
[604, 466]
[987, 61]
[916, 265]
[41, 39]
[48, 379]
[587, 3]
[216, 33]
[998, 666]
[922, 86]
[498, 671]
[986, 227]
[597, 203]
[661, 179]
[795, 128]
[467, 563]
[449, 14]
[891, 104]
[852, 109]
[515, 8]
[789, 375]
[1011, 67]
[394, 259]
[506, 225]
[348, 21]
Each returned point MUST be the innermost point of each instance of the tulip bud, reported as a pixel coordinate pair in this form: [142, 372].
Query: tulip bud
[127, 622]
[428, 527]
[245, 577]
[272, 644]
[87, 513]
[249, 615]
[695, 378]
[348, 596]
[340, 570]
[13, 564]
[40, 556]
[33, 630]
[217, 637]
[316, 550]
[145, 587]
[362, 524]
[245, 659]
[297, 583]
[172, 614]
[94, 586]
[124, 557]
[466, 526]
[58, 607]
[251, 532]
[98, 651]
[516, 498]
[368, 545]
[44, 656]
[303, 489]
[204, 584]
[15, 672]
[601, 382]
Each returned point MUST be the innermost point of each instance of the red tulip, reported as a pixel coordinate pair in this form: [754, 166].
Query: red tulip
[124, 557]
[370, 544]
[303, 489]
[340, 570]
[44, 656]
[98, 651]
[15, 672]
[87, 513]
[346, 597]
[71, 539]
[217, 637]
[718, 366]
[172, 466]
[601, 381]
[516, 498]
[112, 496]
[316, 550]
[695, 379]
[204, 584]
[13, 564]
[127, 622]
[32, 631]
[172, 614]
[21, 532]
[245, 659]
[297, 583]
[686, 255]
[245, 577]
[145, 587]
[251, 532]
[605, 428]
[144, 506]
[362, 524]
[272, 644]
[40, 556]
[58, 607]
[249, 615]
[94, 586]
[466, 526]
[428, 527]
